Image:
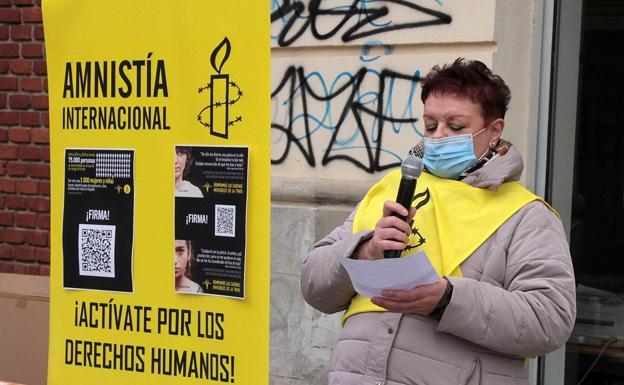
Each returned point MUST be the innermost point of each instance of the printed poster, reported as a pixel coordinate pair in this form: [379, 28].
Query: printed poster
[98, 219]
[210, 219]
[132, 84]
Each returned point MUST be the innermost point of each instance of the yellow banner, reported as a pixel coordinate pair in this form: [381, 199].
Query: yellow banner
[159, 120]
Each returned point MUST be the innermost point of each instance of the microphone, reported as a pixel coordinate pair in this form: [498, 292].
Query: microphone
[411, 167]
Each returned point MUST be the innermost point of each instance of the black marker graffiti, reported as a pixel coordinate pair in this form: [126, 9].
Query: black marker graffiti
[290, 12]
[296, 79]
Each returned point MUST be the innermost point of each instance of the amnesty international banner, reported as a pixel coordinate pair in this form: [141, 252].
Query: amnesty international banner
[159, 120]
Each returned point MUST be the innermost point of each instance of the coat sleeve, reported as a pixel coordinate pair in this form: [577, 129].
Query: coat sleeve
[325, 284]
[533, 311]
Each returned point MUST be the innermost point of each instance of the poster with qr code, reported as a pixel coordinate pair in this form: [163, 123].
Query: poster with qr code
[210, 190]
[98, 219]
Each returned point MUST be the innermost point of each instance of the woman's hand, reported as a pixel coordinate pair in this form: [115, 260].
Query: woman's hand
[419, 300]
[391, 233]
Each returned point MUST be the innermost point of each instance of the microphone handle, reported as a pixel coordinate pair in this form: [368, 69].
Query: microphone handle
[407, 187]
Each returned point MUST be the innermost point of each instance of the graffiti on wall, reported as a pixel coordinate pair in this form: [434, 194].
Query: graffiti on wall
[359, 19]
[354, 110]
[325, 112]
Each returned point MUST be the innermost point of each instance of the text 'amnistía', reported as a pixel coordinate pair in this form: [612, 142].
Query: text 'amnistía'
[132, 80]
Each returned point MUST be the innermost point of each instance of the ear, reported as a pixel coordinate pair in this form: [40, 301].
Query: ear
[497, 130]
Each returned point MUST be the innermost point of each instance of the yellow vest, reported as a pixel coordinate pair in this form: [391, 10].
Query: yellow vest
[452, 220]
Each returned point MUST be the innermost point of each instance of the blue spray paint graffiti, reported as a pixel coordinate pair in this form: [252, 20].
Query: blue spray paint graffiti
[365, 55]
[343, 99]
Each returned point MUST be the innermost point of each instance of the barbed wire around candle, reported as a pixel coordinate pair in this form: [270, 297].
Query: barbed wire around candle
[221, 90]
[220, 103]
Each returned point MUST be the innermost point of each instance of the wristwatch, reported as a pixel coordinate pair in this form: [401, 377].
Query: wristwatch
[438, 311]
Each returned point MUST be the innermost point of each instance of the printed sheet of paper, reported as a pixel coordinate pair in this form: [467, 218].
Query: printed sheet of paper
[211, 219]
[369, 278]
[98, 219]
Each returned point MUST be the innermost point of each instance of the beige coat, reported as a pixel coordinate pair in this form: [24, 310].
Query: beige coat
[516, 299]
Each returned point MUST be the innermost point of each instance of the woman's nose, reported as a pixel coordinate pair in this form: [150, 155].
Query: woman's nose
[439, 132]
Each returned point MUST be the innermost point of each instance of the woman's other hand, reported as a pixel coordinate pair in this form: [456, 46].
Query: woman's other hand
[391, 232]
[420, 300]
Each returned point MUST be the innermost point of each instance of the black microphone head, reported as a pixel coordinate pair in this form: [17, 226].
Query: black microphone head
[411, 167]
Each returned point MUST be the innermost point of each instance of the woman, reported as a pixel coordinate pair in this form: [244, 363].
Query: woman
[182, 166]
[507, 290]
[184, 258]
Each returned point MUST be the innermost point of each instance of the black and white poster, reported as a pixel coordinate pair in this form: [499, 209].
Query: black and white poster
[210, 190]
[98, 219]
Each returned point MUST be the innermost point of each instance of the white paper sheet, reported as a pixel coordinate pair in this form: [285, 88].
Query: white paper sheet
[369, 278]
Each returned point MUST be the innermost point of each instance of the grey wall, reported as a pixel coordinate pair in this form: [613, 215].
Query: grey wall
[301, 337]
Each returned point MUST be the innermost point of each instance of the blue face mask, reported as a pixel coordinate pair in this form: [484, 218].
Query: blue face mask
[449, 157]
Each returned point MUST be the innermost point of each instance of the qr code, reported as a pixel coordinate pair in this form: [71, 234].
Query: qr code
[225, 220]
[96, 250]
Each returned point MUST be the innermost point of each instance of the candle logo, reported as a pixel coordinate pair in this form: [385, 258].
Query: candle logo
[223, 94]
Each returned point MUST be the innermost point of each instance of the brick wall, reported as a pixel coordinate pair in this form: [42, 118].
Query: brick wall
[24, 141]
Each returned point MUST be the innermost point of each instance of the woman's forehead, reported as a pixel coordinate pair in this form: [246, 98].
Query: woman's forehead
[446, 105]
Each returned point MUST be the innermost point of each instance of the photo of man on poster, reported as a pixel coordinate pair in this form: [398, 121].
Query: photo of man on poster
[184, 257]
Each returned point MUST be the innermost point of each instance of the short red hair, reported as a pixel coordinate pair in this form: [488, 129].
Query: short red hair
[470, 79]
